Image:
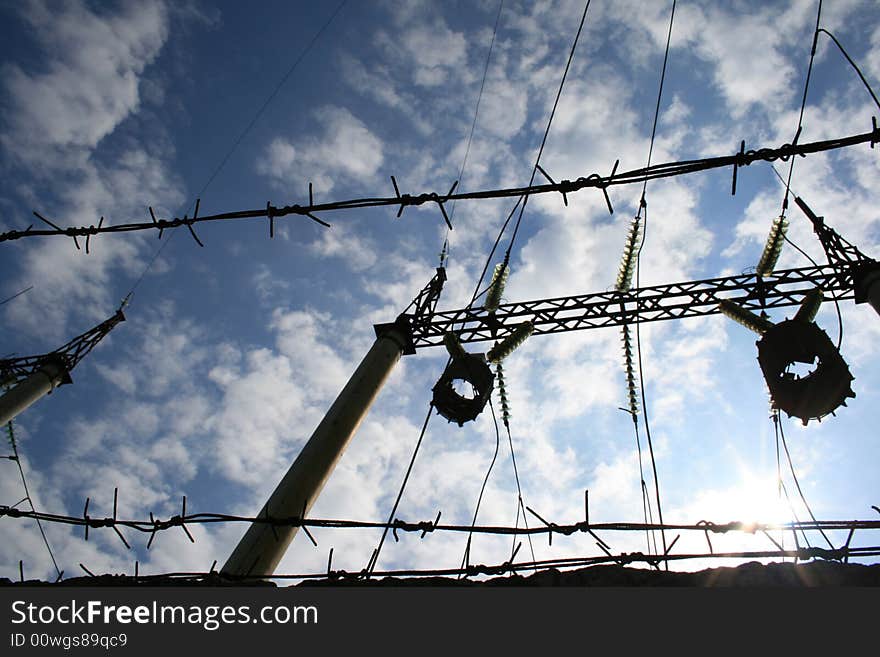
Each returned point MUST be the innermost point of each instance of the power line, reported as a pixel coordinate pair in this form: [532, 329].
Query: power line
[854, 65]
[17, 458]
[467, 149]
[800, 125]
[374, 558]
[18, 294]
[644, 231]
[537, 166]
[521, 203]
[465, 560]
[238, 141]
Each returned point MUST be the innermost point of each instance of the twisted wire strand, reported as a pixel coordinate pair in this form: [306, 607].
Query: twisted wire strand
[593, 181]
[621, 559]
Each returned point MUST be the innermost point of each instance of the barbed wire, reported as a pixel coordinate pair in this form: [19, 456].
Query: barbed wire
[154, 524]
[507, 568]
[637, 176]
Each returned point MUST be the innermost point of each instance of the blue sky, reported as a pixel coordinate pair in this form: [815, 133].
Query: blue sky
[232, 352]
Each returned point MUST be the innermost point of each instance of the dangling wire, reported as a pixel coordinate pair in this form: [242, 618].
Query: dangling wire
[465, 559]
[520, 505]
[240, 138]
[15, 457]
[467, 149]
[535, 168]
[800, 124]
[834, 295]
[776, 417]
[778, 420]
[374, 559]
[855, 67]
[521, 200]
[643, 205]
[633, 410]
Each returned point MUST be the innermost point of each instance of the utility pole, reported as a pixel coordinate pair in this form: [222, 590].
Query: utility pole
[50, 374]
[31, 378]
[261, 548]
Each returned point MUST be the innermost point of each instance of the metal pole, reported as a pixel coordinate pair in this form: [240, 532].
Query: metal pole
[51, 374]
[263, 545]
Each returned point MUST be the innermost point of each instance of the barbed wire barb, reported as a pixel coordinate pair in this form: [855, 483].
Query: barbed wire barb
[636, 176]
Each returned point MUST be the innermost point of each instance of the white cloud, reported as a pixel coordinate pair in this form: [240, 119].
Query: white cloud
[430, 48]
[503, 108]
[378, 82]
[68, 283]
[346, 151]
[267, 284]
[357, 252]
[91, 80]
[56, 120]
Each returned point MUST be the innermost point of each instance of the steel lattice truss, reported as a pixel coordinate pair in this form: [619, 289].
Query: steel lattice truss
[13, 370]
[646, 304]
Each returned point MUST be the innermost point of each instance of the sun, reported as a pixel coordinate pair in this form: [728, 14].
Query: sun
[756, 499]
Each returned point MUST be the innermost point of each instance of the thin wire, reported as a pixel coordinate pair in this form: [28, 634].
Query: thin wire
[782, 488]
[467, 150]
[659, 97]
[803, 106]
[853, 64]
[243, 134]
[797, 483]
[465, 559]
[521, 505]
[642, 486]
[27, 493]
[643, 205]
[642, 391]
[521, 200]
[16, 295]
[274, 93]
[834, 295]
[375, 558]
[547, 130]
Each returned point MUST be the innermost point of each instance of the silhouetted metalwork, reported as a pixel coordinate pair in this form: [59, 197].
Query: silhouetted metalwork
[470, 369]
[155, 525]
[417, 315]
[843, 553]
[13, 370]
[596, 181]
[816, 394]
[649, 304]
[865, 270]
